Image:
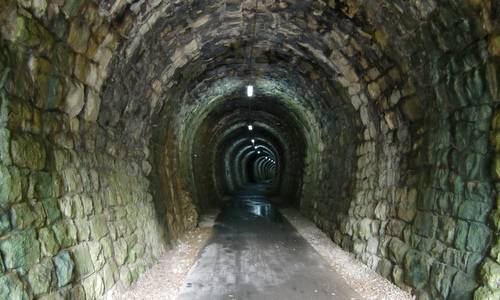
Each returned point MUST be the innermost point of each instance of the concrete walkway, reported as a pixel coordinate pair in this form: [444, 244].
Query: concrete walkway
[255, 254]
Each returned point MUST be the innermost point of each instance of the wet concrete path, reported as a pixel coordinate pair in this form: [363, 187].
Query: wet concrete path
[255, 254]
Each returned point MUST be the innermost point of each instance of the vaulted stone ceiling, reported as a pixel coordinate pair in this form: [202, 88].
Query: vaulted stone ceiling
[121, 120]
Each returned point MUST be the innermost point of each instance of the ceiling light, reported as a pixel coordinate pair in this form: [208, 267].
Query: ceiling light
[253, 141]
[250, 127]
[258, 152]
[250, 90]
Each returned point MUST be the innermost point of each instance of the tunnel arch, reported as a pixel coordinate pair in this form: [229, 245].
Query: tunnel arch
[259, 125]
[397, 101]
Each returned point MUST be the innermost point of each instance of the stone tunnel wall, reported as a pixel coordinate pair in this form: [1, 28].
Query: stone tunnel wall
[419, 213]
[76, 211]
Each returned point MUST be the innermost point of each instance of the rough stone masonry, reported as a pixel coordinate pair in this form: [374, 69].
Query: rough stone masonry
[122, 121]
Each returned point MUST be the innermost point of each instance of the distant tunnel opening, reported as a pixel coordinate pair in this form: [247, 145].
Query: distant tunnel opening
[260, 167]
[229, 155]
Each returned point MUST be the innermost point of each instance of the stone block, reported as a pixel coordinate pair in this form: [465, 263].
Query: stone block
[5, 145]
[64, 268]
[10, 186]
[46, 185]
[139, 269]
[72, 181]
[71, 206]
[384, 268]
[463, 287]
[397, 276]
[126, 276]
[77, 292]
[408, 206]
[79, 33]
[61, 294]
[475, 87]
[92, 106]
[496, 167]
[108, 277]
[94, 286]
[4, 222]
[371, 246]
[27, 152]
[120, 251]
[478, 238]
[65, 232]
[107, 246]
[392, 121]
[20, 249]
[63, 58]
[364, 228]
[416, 269]
[83, 229]
[98, 227]
[461, 234]
[397, 250]
[52, 211]
[455, 258]
[374, 90]
[88, 74]
[40, 277]
[75, 99]
[473, 262]
[395, 228]
[22, 216]
[426, 224]
[484, 293]
[494, 45]
[83, 260]
[446, 231]
[71, 7]
[11, 287]
[475, 167]
[48, 242]
[479, 191]
[88, 205]
[492, 80]
[49, 92]
[97, 254]
[441, 279]
[474, 211]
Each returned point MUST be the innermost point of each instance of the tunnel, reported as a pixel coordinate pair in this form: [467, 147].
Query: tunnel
[124, 123]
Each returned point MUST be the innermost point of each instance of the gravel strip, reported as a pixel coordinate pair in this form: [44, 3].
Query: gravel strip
[362, 279]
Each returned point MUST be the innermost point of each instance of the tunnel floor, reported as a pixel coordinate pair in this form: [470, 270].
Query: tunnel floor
[256, 254]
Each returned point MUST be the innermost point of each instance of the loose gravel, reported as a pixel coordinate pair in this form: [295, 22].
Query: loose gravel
[369, 284]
